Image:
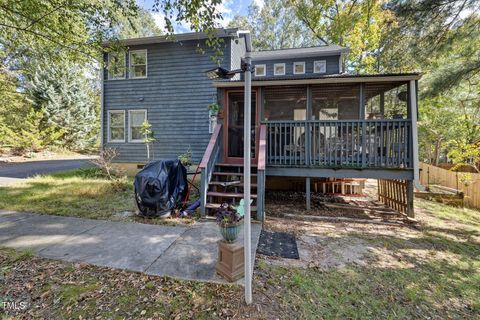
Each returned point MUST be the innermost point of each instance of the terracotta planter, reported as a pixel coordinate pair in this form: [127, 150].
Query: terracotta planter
[230, 232]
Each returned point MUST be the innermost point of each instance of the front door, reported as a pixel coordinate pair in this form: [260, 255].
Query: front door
[234, 124]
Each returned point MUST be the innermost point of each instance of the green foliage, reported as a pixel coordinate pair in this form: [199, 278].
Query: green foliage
[200, 15]
[435, 127]
[147, 132]
[274, 26]
[140, 25]
[466, 155]
[59, 29]
[186, 158]
[67, 99]
[48, 75]
[214, 108]
[449, 126]
[76, 193]
[148, 136]
[441, 37]
[358, 25]
[27, 136]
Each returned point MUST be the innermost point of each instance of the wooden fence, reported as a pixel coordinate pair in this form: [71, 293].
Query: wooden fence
[394, 194]
[434, 175]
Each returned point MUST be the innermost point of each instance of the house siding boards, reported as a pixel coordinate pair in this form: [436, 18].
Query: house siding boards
[332, 65]
[175, 94]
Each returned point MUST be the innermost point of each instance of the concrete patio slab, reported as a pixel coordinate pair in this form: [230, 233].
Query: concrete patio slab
[185, 252]
[37, 232]
[198, 250]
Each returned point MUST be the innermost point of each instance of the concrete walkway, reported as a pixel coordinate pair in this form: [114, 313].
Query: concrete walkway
[186, 252]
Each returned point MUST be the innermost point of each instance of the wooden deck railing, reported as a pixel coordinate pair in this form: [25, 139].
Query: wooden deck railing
[340, 143]
[262, 161]
[207, 165]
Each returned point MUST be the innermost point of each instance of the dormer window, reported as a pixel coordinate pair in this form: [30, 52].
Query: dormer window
[138, 64]
[116, 65]
[279, 69]
[320, 66]
[299, 67]
[260, 70]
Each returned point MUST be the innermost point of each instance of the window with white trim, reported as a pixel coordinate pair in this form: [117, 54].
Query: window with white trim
[260, 70]
[116, 65]
[136, 118]
[138, 64]
[320, 66]
[116, 126]
[279, 69]
[299, 67]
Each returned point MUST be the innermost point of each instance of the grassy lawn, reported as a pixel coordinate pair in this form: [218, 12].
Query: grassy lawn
[83, 193]
[80, 193]
[427, 270]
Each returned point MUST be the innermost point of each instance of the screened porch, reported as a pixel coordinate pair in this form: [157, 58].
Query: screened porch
[339, 125]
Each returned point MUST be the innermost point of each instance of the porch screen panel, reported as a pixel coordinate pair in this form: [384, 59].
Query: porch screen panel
[285, 108]
[393, 104]
[285, 103]
[335, 143]
[335, 102]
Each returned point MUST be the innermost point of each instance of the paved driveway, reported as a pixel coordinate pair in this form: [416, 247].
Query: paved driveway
[186, 252]
[14, 172]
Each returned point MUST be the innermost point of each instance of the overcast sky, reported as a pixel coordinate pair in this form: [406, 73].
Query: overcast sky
[228, 8]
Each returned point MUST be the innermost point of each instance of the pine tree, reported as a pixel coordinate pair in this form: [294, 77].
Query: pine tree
[68, 99]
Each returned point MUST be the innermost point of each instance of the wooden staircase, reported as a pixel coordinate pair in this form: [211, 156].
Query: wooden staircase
[223, 182]
[226, 186]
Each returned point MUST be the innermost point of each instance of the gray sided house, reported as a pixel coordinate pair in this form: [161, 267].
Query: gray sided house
[170, 90]
[310, 119]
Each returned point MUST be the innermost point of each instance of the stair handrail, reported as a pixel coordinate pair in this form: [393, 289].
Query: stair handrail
[262, 161]
[208, 162]
[262, 148]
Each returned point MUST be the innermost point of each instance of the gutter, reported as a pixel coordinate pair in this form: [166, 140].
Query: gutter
[298, 81]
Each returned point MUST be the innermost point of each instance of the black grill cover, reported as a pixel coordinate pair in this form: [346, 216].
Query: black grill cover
[160, 186]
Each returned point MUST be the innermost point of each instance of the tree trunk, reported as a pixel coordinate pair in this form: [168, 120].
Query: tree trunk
[437, 151]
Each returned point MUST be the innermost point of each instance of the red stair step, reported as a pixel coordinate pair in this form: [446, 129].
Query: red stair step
[219, 183]
[227, 194]
[233, 165]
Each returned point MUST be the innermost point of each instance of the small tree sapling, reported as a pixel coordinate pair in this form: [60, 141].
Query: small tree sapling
[148, 136]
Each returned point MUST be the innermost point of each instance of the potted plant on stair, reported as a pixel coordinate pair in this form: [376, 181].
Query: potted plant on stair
[229, 221]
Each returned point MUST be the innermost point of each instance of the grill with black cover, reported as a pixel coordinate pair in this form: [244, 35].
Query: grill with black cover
[160, 187]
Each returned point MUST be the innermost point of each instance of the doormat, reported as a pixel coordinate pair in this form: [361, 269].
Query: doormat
[278, 244]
